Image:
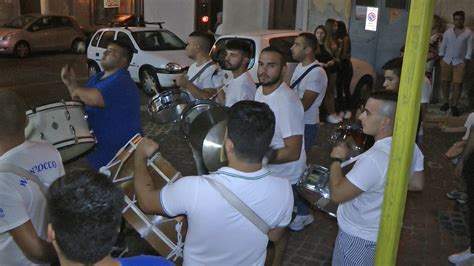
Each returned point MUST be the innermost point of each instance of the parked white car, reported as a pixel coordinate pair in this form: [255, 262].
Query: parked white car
[159, 55]
[363, 78]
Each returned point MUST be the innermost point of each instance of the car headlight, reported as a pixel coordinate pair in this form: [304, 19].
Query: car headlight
[173, 67]
[7, 36]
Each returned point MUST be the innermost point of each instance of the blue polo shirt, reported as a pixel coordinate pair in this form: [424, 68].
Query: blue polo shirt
[144, 260]
[118, 121]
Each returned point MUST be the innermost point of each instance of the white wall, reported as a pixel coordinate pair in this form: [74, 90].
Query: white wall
[178, 15]
[244, 15]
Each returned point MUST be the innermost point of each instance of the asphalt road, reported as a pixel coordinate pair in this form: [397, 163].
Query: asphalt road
[37, 78]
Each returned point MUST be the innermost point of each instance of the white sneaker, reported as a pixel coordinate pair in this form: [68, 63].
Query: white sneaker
[333, 119]
[460, 257]
[300, 222]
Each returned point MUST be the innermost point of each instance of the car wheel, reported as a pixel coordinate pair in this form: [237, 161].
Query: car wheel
[78, 46]
[22, 49]
[149, 82]
[92, 68]
[363, 89]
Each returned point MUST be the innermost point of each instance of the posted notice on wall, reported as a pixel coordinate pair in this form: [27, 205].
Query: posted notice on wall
[111, 3]
[371, 18]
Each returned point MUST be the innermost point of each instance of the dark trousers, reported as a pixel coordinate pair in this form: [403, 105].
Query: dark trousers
[344, 75]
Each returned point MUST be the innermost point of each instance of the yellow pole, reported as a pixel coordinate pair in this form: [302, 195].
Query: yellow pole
[406, 121]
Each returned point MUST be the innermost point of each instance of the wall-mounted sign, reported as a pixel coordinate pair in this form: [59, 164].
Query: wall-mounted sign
[371, 18]
[111, 3]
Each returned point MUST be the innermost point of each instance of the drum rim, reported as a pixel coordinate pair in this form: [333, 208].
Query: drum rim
[54, 105]
[190, 107]
[59, 145]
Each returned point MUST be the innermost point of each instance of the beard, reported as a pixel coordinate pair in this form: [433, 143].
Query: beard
[270, 81]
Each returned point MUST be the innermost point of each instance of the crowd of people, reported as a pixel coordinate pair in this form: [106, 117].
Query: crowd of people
[271, 129]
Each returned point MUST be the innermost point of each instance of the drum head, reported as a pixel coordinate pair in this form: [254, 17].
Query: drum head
[192, 111]
[168, 106]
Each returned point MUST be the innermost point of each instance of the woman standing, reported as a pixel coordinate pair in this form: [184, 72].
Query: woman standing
[344, 75]
[325, 54]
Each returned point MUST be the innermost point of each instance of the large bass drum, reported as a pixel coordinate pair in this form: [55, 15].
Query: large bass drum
[64, 125]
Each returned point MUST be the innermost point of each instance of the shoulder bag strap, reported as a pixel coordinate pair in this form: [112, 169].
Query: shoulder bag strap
[239, 205]
[292, 86]
[13, 169]
[202, 70]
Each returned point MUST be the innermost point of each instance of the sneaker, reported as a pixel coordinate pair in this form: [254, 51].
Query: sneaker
[347, 115]
[444, 107]
[454, 111]
[454, 194]
[300, 222]
[461, 257]
[333, 119]
[462, 199]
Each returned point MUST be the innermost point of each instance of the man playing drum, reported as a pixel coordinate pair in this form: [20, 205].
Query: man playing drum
[309, 81]
[112, 102]
[82, 228]
[218, 233]
[22, 202]
[360, 192]
[203, 78]
[241, 86]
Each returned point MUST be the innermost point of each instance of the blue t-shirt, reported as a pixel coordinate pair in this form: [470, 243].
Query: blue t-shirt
[119, 120]
[144, 260]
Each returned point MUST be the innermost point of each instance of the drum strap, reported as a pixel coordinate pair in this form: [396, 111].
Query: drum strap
[300, 78]
[239, 205]
[13, 169]
[210, 63]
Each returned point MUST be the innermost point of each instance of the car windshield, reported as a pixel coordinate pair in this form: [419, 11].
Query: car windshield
[155, 40]
[20, 22]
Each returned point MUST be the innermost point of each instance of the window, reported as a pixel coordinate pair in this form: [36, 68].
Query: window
[400, 4]
[123, 37]
[61, 22]
[366, 3]
[283, 44]
[158, 41]
[218, 52]
[96, 38]
[107, 37]
[41, 24]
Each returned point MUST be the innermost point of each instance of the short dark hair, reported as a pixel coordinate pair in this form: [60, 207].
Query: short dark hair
[85, 210]
[207, 40]
[390, 101]
[13, 114]
[309, 40]
[251, 127]
[272, 49]
[459, 13]
[239, 45]
[394, 64]
[127, 49]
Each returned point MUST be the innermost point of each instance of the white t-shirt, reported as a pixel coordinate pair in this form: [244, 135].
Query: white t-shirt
[360, 216]
[217, 233]
[289, 121]
[211, 77]
[316, 80]
[469, 123]
[240, 88]
[21, 199]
